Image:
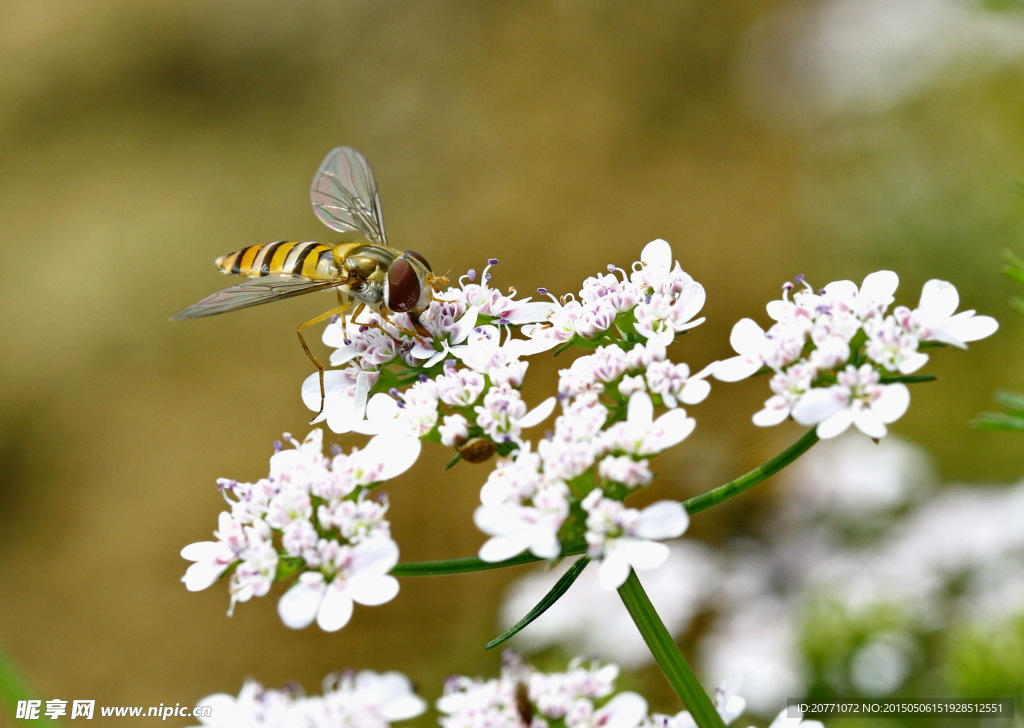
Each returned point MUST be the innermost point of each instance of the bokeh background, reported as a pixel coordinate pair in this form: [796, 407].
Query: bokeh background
[139, 140]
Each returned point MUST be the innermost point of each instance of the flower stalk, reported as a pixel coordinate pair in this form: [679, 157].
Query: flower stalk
[666, 653]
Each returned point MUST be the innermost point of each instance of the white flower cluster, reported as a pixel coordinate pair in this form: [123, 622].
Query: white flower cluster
[831, 351]
[654, 302]
[599, 450]
[451, 376]
[353, 699]
[312, 515]
[581, 697]
[597, 454]
[457, 369]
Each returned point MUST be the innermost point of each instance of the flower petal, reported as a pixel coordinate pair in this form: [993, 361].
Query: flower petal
[625, 710]
[372, 589]
[397, 451]
[375, 555]
[657, 253]
[893, 402]
[664, 519]
[529, 313]
[879, 287]
[817, 405]
[939, 298]
[335, 608]
[298, 606]
[965, 326]
[499, 548]
[645, 555]
[613, 572]
[835, 425]
[539, 413]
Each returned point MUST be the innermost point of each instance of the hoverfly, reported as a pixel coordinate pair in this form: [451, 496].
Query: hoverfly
[365, 269]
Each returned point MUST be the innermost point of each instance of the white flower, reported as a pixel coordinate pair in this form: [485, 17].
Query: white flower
[522, 696]
[621, 537]
[454, 430]
[674, 383]
[728, 705]
[345, 394]
[253, 706]
[793, 718]
[449, 346]
[625, 470]
[315, 513]
[894, 347]
[212, 558]
[810, 346]
[749, 342]
[391, 452]
[789, 387]
[625, 710]
[365, 699]
[360, 576]
[934, 320]
[515, 528]
[872, 299]
[857, 399]
[642, 434]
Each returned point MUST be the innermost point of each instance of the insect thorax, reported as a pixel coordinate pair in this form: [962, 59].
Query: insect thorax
[365, 267]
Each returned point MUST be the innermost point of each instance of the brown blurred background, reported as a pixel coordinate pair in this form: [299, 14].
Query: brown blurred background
[139, 140]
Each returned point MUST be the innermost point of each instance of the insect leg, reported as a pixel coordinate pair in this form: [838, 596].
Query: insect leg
[320, 367]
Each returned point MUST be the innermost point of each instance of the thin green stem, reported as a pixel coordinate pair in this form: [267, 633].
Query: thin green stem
[755, 476]
[667, 654]
[693, 505]
[469, 564]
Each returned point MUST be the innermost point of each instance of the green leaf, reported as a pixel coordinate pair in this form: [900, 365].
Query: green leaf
[14, 687]
[908, 378]
[1010, 402]
[993, 421]
[560, 588]
[1013, 268]
[1010, 419]
[667, 654]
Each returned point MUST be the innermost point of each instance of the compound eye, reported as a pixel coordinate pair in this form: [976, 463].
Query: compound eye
[418, 257]
[404, 288]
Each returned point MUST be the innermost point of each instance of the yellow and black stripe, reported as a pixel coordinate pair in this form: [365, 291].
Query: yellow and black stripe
[308, 259]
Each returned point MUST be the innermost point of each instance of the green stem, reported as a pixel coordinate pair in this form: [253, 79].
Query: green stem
[755, 476]
[468, 564]
[667, 654]
[693, 505]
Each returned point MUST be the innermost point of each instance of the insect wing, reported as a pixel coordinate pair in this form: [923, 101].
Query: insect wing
[253, 293]
[345, 197]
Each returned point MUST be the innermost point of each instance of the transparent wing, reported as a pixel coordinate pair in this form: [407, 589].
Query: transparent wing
[345, 196]
[253, 293]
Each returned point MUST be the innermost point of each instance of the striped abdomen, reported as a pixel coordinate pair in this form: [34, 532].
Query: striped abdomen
[308, 259]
